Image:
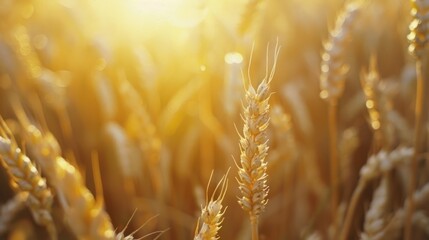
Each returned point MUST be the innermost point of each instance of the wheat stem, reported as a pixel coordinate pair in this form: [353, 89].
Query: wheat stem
[254, 224]
[419, 143]
[333, 133]
[352, 209]
[418, 38]
[332, 82]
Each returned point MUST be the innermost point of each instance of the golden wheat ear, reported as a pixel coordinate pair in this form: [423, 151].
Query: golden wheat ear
[376, 216]
[84, 214]
[212, 213]
[26, 179]
[252, 171]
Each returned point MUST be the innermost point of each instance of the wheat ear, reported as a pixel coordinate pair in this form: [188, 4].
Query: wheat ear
[253, 145]
[418, 38]
[332, 81]
[212, 213]
[333, 69]
[10, 209]
[393, 228]
[85, 216]
[25, 178]
[377, 165]
[375, 216]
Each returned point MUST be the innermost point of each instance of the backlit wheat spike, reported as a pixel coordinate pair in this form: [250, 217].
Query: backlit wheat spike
[254, 148]
[333, 68]
[9, 210]
[419, 34]
[212, 213]
[85, 216]
[25, 178]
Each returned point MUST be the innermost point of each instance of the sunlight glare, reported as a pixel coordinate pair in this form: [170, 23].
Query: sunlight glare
[181, 13]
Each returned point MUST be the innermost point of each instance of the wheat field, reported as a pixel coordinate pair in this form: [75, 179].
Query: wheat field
[214, 119]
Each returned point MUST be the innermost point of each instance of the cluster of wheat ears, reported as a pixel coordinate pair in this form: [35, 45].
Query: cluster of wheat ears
[97, 142]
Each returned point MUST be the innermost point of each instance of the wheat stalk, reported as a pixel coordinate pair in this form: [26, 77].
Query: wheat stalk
[253, 145]
[347, 147]
[332, 81]
[25, 178]
[10, 209]
[212, 212]
[418, 38]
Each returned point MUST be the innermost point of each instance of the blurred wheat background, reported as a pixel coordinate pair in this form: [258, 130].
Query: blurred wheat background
[125, 108]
